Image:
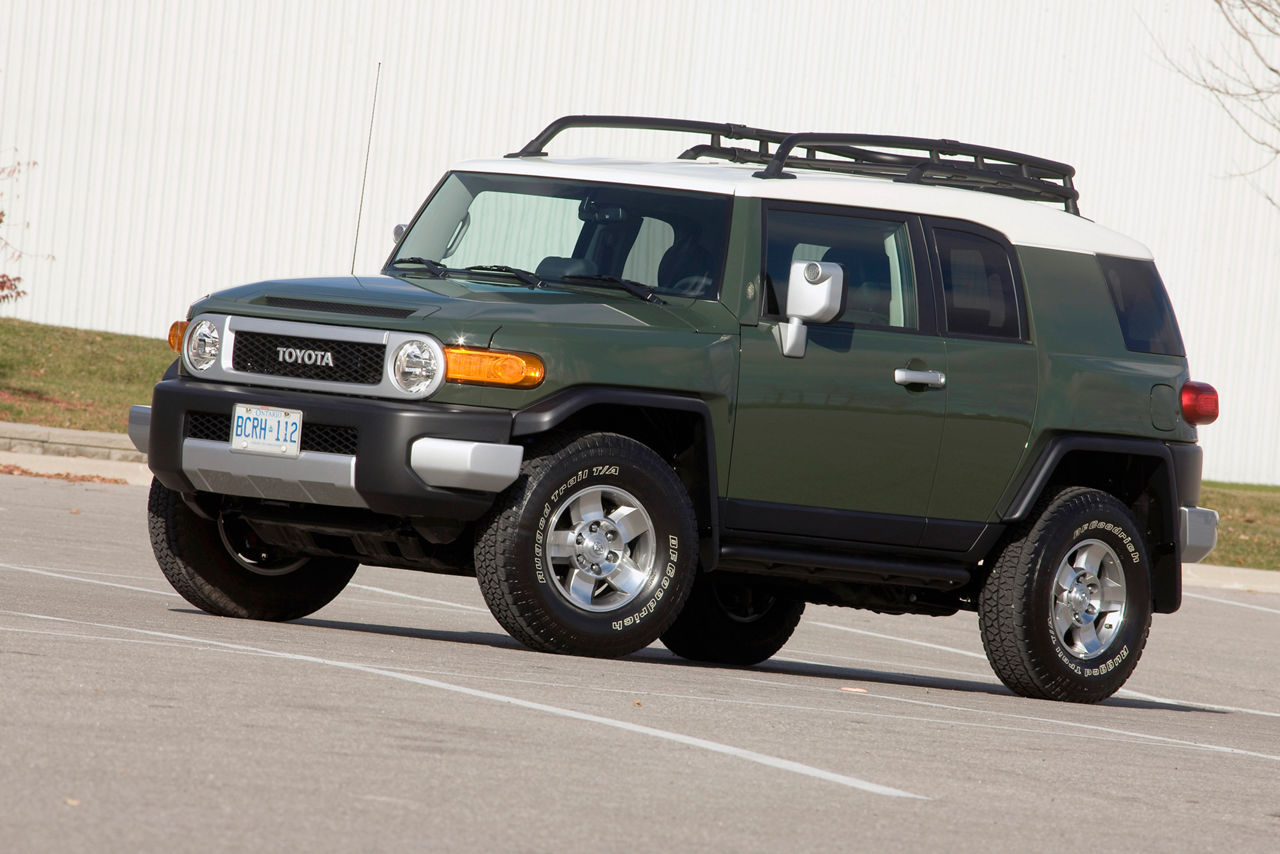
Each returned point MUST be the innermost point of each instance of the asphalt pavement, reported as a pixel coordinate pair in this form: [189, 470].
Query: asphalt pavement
[401, 717]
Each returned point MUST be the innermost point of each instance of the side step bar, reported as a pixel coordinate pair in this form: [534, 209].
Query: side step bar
[811, 564]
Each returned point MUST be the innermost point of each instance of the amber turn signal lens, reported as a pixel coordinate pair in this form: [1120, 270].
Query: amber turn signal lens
[492, 367]
[176, 331]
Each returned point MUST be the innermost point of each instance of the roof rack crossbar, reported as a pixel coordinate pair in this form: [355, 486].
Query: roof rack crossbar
[1026, 175]
[910, 159]
[536, 147]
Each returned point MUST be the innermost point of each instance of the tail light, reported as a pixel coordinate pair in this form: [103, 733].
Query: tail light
[1199, 403]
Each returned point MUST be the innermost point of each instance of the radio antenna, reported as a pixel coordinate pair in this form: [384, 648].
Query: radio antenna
[365, 178]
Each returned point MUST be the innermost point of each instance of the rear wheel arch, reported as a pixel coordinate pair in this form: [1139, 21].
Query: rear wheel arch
[1140, 473]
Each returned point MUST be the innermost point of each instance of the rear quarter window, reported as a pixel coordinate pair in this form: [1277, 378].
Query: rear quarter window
[1142, 306]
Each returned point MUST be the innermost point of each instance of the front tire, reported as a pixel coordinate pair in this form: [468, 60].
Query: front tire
[221, 568]
[731, 621]
[1066, 609]
[591, 551]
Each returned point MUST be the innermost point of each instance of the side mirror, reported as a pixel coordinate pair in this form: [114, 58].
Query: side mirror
[399, 231]
[815, 293]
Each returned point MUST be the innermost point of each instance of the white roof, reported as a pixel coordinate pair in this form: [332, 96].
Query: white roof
[1024, 223]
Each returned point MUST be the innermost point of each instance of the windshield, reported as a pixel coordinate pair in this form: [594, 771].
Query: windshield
[671, 242]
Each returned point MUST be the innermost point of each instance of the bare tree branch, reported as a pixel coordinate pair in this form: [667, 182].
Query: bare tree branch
[1247, 85]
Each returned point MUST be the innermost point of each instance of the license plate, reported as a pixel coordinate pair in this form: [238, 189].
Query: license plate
[266, 430]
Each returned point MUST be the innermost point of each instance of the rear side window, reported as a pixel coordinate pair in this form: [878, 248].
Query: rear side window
[1146, 317]
[978, 284]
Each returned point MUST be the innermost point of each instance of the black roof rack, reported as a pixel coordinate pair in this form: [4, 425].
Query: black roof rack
[903, 158]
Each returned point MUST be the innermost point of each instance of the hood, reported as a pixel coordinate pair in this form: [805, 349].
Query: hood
[476, 308]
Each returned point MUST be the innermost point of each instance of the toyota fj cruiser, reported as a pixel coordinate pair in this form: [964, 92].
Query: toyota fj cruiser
[678, 400]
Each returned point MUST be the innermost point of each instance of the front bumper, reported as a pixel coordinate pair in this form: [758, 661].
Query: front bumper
[1198, 532]
[411, 458]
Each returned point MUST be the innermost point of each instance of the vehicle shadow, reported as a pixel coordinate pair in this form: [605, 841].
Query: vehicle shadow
[498, 640]
[833, 672]
[855, 676]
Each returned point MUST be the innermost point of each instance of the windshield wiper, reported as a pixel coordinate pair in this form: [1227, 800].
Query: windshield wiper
[530, 279]
[632, 287]
[435, 268]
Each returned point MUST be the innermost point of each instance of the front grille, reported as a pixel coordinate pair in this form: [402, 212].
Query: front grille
[321, 438]
[329, 439]
[288, 356]
[208, 426]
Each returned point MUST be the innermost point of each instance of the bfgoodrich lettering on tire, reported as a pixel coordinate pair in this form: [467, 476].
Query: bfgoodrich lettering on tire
[592, 550]
[1067, 607]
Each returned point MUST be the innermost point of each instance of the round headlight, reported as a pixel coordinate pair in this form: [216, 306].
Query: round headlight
[202, 345]
[416, 367]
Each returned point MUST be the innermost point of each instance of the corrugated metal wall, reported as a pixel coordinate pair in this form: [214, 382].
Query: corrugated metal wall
[187, 146]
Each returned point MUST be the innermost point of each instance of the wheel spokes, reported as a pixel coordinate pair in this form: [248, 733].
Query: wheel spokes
[627, 577]
[1063, 620]
[1112, 596]
[587, 507]
[582, 587]
[1087, 642]
[602, 549]
[1089, 597]
[1089, 557]
[560, 545]
[630, 522]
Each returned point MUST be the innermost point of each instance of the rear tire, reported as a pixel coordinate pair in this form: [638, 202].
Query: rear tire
[221, 567]
[1066, 609]
[731, 621]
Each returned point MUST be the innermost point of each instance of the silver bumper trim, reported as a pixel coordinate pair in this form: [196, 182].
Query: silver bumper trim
[140, 427]
[457, 464]
[311, 477]
[1198, 531]
[316, 478]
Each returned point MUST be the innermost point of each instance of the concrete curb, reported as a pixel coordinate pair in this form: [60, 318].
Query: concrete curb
[59, 442]
[134, 474]
[1230, 578]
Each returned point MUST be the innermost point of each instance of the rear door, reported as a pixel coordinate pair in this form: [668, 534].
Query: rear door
[991, 377]
[834, 444]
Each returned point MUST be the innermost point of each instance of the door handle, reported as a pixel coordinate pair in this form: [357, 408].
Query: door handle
[932, 379]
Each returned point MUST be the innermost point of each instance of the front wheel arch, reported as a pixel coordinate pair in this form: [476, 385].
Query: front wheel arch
[678, 427]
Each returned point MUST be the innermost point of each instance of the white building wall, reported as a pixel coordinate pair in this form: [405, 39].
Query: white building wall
[190, 145]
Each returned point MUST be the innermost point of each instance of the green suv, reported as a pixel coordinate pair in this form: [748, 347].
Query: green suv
[678, 400]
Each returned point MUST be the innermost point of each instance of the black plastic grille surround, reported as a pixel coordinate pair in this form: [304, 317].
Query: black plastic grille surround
[321, 438]
[308, 358]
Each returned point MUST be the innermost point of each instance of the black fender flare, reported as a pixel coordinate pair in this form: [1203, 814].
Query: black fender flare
[1166, 557]
[552, 411]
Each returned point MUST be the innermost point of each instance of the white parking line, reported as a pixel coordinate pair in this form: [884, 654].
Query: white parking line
[1230, 602]
[640, 729]
[386, 592]
[49, 574]
[899, 640]
[89, 572]
[1127, 692]
[880, 662]
[1058, 722]
[1104, 734]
